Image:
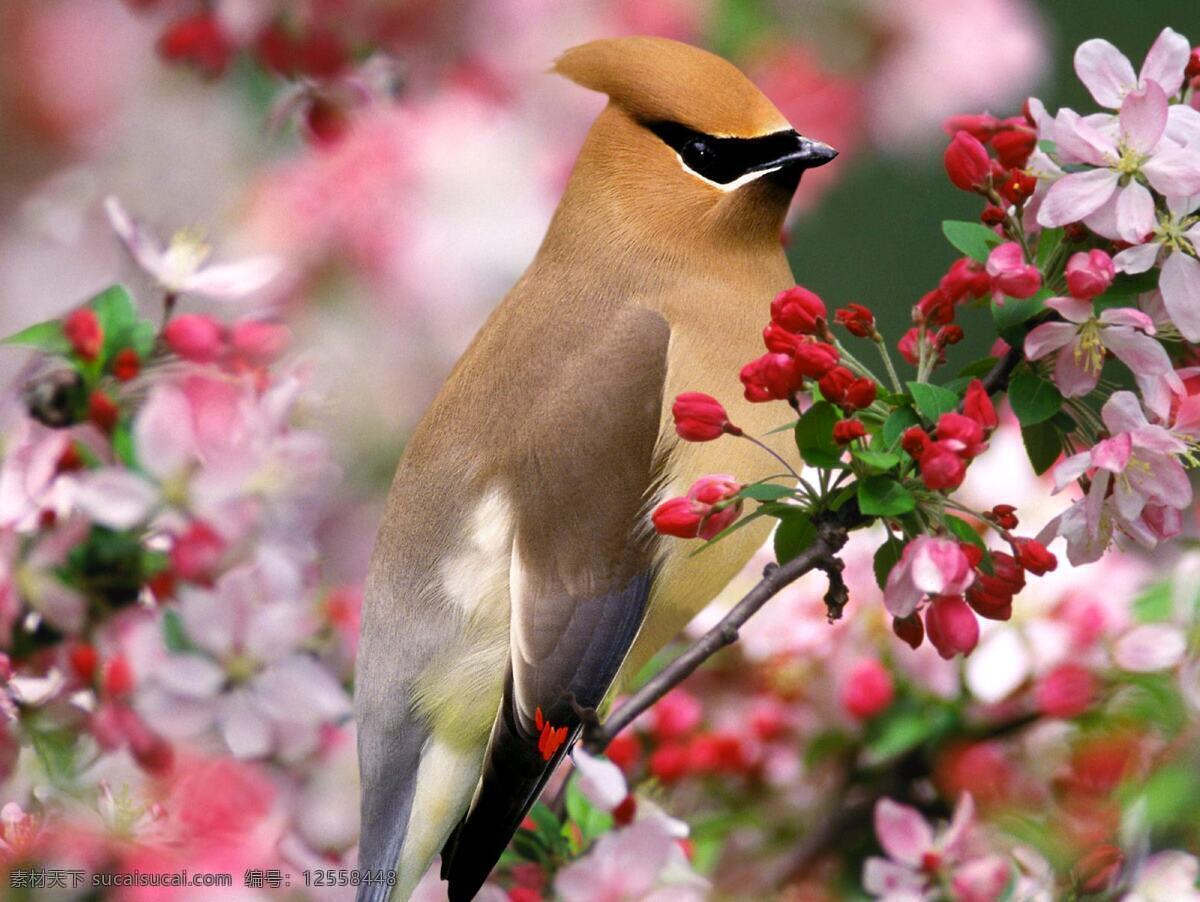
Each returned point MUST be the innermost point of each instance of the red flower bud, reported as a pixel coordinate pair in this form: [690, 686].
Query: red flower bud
[1193, 64]
[84, 658]
[127, 364]
[118, 677]
[1098, 870]
[701, 418]
[965, 277]
[797, 309]
[668, 763]
[193, 337]
[1033, 556]
[977, 404]
[935, 308]
[815, 358]
[1017, 186]
[1066, 691]
[967, 162]
[199, 40]
[322, 54]
[861, 393]
[1014, 145]
[835, 383]
[942, 468]
[909, 629]
[857, 320]
[991, 215]
[846, 431]
[948, 335]
[915, 441]
[772, 377]
[1005, 516]
[908, 346]
[961, 434]
[981, 126]
[83, 330]
[779, 340]
[951, 626]
[103, 411]
[693, 516]
[325, 122]
[70, 460]
[973, 553]
[868, 689]
[1089, 273]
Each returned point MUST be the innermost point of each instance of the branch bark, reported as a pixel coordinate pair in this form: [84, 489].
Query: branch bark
[821, 555]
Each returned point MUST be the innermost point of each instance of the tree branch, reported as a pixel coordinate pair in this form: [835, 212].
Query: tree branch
[821, 555]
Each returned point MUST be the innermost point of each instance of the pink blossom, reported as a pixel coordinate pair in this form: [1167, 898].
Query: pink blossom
[600, 780]
[1108, 74]
[1135, 469]
[1179, 282]
[915, 852]
[1089, 273]
[1083, 340]
[1109, 198]
[1011, 274]
[927, 566]
[182, 266]
[1168, 876]
[1150, 647]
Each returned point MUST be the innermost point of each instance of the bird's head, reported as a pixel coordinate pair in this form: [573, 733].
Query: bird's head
[687, 141]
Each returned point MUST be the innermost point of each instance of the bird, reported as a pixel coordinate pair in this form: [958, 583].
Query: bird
[516, 580]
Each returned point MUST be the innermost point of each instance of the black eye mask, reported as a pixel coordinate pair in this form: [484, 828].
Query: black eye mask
[725, 160]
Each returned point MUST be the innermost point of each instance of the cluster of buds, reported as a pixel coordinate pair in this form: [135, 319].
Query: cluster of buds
[709, 506]
[933, 315]
[245, 346]
[971, 168]
[958, 438]
[799, 348]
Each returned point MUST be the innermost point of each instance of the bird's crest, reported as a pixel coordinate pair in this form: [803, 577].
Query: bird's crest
[660, 80]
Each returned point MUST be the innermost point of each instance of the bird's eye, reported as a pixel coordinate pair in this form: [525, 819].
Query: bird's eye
[697, 153]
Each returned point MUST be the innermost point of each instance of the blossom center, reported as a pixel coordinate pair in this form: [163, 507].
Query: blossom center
[1089, 348]
[184, 255]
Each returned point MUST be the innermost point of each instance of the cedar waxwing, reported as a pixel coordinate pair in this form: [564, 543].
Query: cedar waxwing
[516, 571]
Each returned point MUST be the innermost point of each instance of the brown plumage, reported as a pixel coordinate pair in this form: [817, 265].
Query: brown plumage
[515, 568]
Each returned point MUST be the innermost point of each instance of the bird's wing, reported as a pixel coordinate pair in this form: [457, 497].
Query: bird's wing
[582, 568]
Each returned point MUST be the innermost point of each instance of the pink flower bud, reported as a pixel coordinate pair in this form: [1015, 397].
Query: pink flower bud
[1066, 691]
[779, 340]
[197, 553]
[936, 308]
[194, 337]
[1089, 273]
[772, 377]
[951, 626]
[797, 309]
[1011, 275]
[967, 162]
[815, 358]
[693, 516]
[676, 715]
[701, 418]
[260, 342]
[928, 566]
[1013, 146]
[908, 346]
[965, 277]
[979, 125]
[915, 441]
[84, 332]
[868, 689]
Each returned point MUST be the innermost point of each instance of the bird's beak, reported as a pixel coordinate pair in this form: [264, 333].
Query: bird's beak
[804, 153]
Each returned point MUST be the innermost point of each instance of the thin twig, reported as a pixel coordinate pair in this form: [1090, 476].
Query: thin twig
[818, 556]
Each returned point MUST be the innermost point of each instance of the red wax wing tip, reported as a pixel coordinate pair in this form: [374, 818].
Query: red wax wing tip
[551, 740]
[538, 720]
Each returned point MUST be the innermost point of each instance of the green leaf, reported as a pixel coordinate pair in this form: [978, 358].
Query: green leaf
[47, 336]
[896, 424]
[786, 427]
[963, 531]
[932, 400]
[55, 750]
[142, 337]
[122, 441]
[885, 559]
[1011, 316]
[972, 238]
[1046, 146]
[878, 460]
[882, 496]
[592, 821]
[1043, 444]
[766, 491]
[1155, 605]
[814, 436]
[1033, 399]
[548, 826]
[1171, 795]
[977, 369]
[1048, 243]
[174, 635]
[794, 534]
[902, 730]
[118, 315]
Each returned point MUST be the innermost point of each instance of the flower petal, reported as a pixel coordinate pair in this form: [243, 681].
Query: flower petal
[1105, 71]
[1174, 171]
[1076, 195]
[1166, 60]
[1079, 141]
[1072, 309]
[1144, 117]
[142, 246]
[118, 499]
[1072, 374]
[903, 832]
[1047, 338]
[231, 281]
[1138, 258]
[1180, 287]
[600, 780]
[1135, 212]
[1154, 646]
